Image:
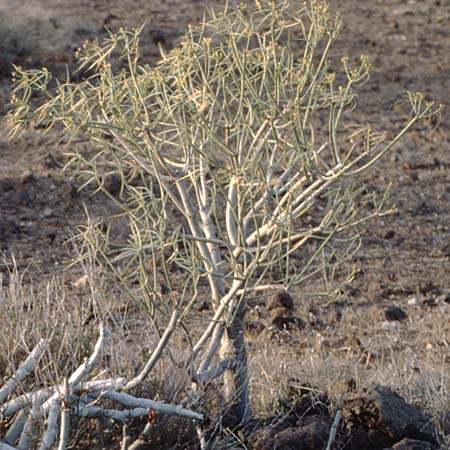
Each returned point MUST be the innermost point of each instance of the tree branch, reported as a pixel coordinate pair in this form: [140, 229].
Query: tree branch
[28, 365]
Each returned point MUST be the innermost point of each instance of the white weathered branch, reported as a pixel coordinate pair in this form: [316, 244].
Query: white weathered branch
[65, 418]
[205, 207]
[125, 438]
[24, 369]
[83, 371]
[11, 407]
[334, 427]
[261, 288]
[170, 328]
[215, 372]
[4, 446]
[30, 431]
[213, 346]
[231, 211]
[134, 402]
[98, 385]
[209, 251]
[51, 432]
[16, 428]
[114, 414]
[225, 300]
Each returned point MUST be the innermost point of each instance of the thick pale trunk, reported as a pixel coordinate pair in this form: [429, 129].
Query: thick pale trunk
[236, 393]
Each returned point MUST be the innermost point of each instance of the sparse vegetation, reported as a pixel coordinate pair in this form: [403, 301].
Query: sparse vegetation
[234, 172]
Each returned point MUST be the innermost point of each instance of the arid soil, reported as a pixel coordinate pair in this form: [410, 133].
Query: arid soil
[394, 317]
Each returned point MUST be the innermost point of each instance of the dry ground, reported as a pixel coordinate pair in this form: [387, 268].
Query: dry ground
[405, 258]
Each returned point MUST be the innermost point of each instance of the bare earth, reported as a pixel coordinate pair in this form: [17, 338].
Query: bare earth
[405, 257]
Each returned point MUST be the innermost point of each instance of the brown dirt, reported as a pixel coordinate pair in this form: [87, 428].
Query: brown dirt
[404, 255]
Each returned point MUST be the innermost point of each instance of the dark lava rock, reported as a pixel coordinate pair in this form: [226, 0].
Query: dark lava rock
[282, 319]
[310, 435]
[280, 312]
[395, 313]
[253, 327]
[204, 306]
[280, 300]
[411, 444]
[113, 184]
[378, 418]
[430, 289]
[311, 404]
[158, 36]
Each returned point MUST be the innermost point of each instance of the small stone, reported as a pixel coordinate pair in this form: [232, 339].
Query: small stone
[26, 176]
[413, 301]
[395, 313]
[81, 283]
[113, 184]
[47, 212]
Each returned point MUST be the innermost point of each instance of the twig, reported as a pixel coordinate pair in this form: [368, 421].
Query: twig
[201, 437]
[334, 427]
[125, 438]
[140, 441]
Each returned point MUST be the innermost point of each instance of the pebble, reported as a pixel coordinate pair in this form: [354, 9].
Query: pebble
[413, 301]
[81, 283]
[47, 212]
